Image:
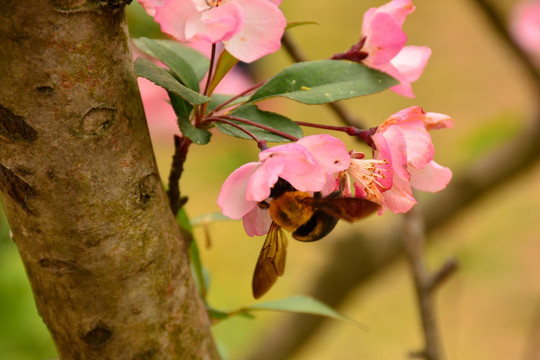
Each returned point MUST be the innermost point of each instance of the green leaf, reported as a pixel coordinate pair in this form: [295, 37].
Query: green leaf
[197, 61]
[163, 78]
[219, 315]
[324, 81]
[303, 304]
[180, 67]
[267, 118]
[197, 135]
[181, 108]
[183, 220]
[224, 64]
[300, 23]
[209, 218]
[218, 99]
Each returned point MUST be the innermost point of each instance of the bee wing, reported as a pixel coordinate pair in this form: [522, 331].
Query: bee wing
[271, 262]
[349, 209]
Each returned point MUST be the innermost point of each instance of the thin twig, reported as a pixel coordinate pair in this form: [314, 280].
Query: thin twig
[181, 145]
[413, 244]
[297, 56]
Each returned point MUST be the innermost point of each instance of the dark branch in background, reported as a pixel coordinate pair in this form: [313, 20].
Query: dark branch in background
[181, 146]
[341, 112]
[532, 349]
[499, 25]
[374, 253]
[425, 283]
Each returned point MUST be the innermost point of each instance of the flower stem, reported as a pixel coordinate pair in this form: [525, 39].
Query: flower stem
[210, 69]
[260, 143]
[202, 109]
[221, 106]
[364, 135]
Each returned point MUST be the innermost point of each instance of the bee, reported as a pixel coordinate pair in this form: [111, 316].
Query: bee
[309, 218]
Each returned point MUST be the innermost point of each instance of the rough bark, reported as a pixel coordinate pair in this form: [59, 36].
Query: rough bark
[80, 188]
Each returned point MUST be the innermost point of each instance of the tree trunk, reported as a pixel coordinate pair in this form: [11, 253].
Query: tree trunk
[79, 184]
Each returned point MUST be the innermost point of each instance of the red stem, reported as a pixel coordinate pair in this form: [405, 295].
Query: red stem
[221, 106]
[249, 122]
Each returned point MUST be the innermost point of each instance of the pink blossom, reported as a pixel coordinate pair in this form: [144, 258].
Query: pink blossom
[404, 141]
[382, 46]
[249, 29]
[371, 178]
[150, 5]
[385, 45]
[525, 26]
[308, 165]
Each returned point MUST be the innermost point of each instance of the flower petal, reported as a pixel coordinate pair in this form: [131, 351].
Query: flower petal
[330, 152]
[385, 39]
[216, 24]
[264, 178]
[257, 222]
[391, 146]
[433, 177]
[231, 197]
[525, 26]
[399, 9]
[411, 61]
[261, 34]
[438, 121]
[172, 17]
[399, 199]
[151, 5]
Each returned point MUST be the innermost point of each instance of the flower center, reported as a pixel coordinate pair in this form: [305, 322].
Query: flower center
[369, 173]
[214, 3]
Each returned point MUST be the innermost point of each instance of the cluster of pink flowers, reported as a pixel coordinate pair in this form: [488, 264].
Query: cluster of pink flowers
[382, 45]
[403, 160]
[249, 29]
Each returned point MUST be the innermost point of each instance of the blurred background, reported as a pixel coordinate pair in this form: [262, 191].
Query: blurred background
[490, 309]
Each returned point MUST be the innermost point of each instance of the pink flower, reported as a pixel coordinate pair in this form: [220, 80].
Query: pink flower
[382, 46]
[308, 165]
[249, 29]
[150, 5]
[525, 26]
[404, 141]
[371, 178]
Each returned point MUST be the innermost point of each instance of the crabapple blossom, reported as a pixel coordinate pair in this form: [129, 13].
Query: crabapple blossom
[525, 26]
[382, 46]
[308, 165]
[404, 141]
[371, 178]
[249, 29]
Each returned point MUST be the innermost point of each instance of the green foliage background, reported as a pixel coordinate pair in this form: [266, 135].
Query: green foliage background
[485, 311]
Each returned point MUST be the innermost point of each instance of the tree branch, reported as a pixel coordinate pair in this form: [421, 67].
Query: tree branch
[80, 188]
[425, 283]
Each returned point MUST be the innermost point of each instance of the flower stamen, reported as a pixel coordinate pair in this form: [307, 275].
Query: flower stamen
[369, 176]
